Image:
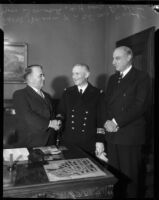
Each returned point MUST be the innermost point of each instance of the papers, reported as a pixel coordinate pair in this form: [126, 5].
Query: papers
[49, 150]
[17, 154]
[72, 169]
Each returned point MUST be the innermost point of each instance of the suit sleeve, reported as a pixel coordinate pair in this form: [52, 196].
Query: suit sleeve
[139, 105]
[100, 122]
[31, 119]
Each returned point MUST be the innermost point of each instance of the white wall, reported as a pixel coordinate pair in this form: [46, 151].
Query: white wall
[87, 34]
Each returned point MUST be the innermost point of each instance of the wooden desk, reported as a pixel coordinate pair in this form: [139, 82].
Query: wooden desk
[30, 180]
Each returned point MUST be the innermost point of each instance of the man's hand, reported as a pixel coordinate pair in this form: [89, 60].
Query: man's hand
[110, 126]
[55, 124]
[100, 152]
[99, 148]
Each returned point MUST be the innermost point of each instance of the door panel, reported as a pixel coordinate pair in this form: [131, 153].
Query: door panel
[142, 45]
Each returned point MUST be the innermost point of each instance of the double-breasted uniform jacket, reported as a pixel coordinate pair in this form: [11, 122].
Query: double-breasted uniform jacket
[33, 114]
[81, 117]
[127, 102]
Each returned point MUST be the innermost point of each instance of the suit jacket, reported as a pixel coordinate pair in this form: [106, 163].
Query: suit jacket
[81, 116]
[127, 102]
[33, 114]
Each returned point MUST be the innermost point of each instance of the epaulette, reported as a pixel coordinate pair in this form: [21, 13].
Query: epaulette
[65, 89]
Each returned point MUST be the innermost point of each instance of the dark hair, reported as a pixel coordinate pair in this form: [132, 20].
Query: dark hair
[28, 70]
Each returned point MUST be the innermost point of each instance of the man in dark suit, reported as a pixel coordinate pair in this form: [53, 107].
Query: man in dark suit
[126, 103]
[79, 110]
[34, 112]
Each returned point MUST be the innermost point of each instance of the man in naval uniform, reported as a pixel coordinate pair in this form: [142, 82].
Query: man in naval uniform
[79, 110]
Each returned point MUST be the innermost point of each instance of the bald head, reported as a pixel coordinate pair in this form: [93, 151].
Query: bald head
[122, 58]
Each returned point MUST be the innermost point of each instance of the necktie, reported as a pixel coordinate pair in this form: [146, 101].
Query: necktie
[40, 93]
[80, 92]
[120, 77]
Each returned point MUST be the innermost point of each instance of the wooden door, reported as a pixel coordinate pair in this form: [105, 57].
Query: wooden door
[142, 45]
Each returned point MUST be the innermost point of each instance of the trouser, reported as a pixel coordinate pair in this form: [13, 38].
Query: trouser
[125, 164]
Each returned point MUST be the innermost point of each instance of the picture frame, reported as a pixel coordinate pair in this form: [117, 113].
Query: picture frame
[15, 62]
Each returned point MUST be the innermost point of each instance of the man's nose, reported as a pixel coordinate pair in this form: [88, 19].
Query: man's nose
[113, 62]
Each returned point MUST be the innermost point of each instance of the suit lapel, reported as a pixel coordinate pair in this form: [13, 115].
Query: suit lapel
[125, 83]
[34, 94]
[38, 97]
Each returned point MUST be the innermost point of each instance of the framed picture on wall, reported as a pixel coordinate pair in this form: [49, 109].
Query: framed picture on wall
[15, 62]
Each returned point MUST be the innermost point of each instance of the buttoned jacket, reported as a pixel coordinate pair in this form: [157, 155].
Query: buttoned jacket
[81, 116]
[127, 101]
[33, 114]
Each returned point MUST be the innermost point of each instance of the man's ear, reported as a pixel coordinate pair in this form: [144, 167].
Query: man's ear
[129, 57]
[87, 74]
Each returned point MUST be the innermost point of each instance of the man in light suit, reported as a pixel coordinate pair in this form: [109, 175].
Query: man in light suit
[35, 114]
[80, 112]
[124, 122]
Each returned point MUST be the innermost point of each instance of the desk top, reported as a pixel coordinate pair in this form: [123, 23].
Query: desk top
[35, 176]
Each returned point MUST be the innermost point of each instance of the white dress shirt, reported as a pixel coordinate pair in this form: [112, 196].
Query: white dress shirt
[83, 88]
[126, 71]
[39, 92]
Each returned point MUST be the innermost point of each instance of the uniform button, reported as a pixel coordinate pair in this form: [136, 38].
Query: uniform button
[84, 124]
[73, 110]
[73, 122]
[82, 130]
[122, 108]
[73, 128]
[72, 116]
[85, 118]
[86, 112]
[124, 94]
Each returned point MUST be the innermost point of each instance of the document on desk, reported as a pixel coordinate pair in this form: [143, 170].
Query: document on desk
[49, 149]
[17, 154]
[72, 169]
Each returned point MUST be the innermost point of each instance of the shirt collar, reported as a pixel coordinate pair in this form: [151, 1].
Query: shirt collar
[82, 87]
[126, 71]
[35, 89]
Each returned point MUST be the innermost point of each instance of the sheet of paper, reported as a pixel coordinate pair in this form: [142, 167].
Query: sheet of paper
[72, 169]
[17, 154]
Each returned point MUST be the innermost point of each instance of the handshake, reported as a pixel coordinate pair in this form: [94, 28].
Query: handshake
[111, 126]
[55, 124]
